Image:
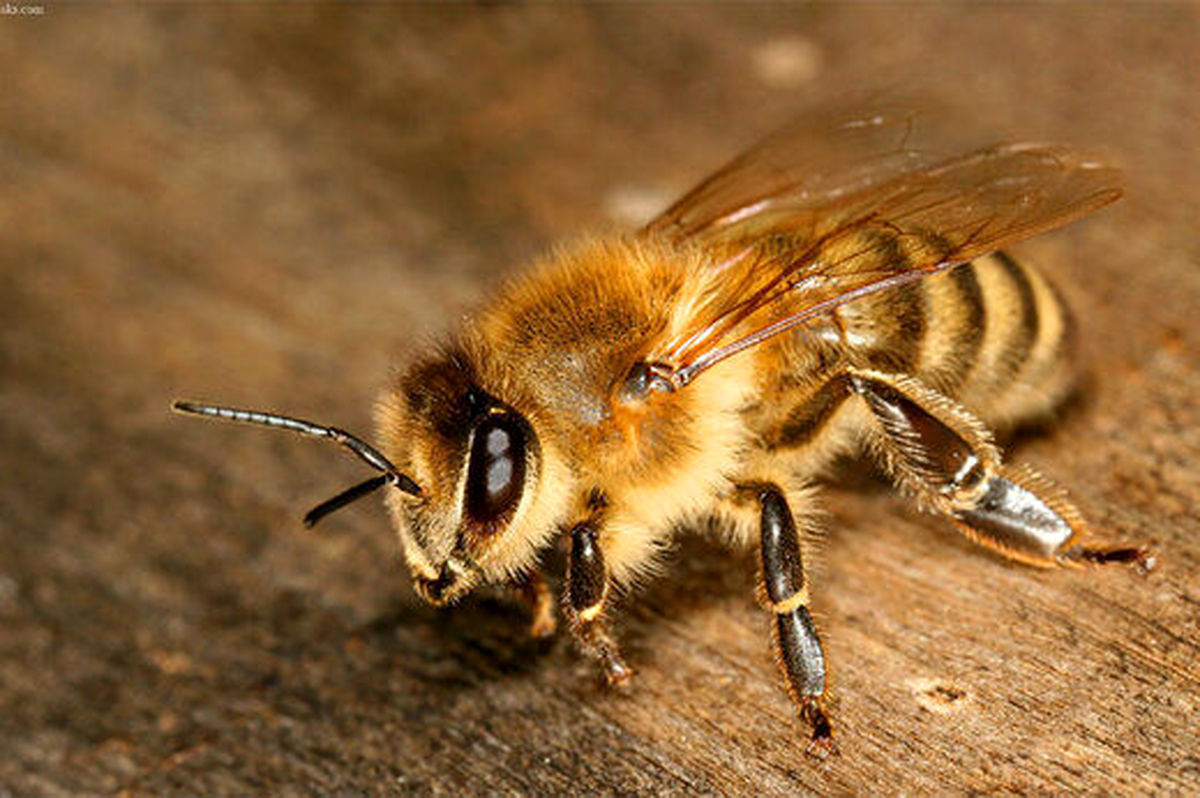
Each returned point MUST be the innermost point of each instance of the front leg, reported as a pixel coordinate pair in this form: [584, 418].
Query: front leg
[536, 593]
[586, 596]
[785, 587]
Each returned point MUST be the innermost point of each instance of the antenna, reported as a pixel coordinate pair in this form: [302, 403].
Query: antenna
[360, 448]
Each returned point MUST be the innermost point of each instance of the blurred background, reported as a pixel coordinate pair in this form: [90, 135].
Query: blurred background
[270, 206]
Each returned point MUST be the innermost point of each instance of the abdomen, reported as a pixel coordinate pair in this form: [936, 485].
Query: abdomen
[993, 334]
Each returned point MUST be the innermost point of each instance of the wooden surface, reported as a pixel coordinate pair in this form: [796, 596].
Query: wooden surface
[268, 206]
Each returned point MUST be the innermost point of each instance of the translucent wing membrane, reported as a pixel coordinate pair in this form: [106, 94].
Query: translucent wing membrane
[791, 248]
[360, 448]
[818, 157]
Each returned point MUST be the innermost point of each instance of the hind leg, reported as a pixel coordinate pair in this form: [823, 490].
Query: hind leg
[944, 457]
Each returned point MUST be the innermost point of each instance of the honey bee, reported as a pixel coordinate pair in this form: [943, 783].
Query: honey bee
[784, 313]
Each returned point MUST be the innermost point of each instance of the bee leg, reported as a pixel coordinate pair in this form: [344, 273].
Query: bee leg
[785, 588]
[944, 457]
[534, 590]
[586, 594]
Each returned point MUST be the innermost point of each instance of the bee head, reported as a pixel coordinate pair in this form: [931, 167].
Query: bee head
[479, 463]
[465, 503]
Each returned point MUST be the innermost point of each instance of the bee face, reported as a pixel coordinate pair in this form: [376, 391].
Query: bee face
[477, 460]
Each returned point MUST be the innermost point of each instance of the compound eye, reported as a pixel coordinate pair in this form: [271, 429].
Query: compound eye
[496, 470]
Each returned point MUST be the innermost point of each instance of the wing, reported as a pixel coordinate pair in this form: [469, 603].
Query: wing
[796, 248]
[825, 153]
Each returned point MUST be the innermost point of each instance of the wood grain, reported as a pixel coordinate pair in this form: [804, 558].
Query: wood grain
[269, 206]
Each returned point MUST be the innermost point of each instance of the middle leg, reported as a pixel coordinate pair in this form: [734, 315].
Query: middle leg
[785, 590]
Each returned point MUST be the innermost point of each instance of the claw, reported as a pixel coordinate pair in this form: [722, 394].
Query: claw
[544, 624]
[1144, 558]
[616, 673]
[822, 744]
[822, 748]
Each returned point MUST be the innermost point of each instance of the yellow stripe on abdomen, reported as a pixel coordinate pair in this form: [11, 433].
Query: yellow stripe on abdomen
[1023, 368]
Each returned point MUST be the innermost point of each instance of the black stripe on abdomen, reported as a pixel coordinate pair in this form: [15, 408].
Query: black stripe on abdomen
[896, 347]
[970, 316]
[1021, 338]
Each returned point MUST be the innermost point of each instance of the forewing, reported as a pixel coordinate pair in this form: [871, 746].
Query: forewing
[803, 256]
[821, 155]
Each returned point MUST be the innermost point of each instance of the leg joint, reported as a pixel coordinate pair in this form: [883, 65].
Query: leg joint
[790, 604]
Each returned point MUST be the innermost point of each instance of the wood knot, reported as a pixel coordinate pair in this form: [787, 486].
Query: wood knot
[939, 697]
